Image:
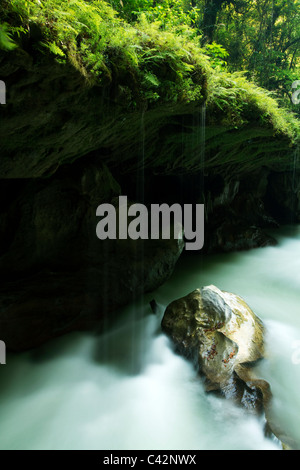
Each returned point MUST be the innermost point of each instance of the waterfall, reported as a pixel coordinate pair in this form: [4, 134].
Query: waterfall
[137, 311]
[295, 185]
[203, 135]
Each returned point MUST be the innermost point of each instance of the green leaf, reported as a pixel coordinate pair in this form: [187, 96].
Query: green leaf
[6, 43]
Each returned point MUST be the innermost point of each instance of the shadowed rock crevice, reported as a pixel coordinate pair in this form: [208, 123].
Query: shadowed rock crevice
[59, 277]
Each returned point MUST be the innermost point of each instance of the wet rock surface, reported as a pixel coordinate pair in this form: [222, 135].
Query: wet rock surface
[57, 275]
[217, 329]
[224, 339]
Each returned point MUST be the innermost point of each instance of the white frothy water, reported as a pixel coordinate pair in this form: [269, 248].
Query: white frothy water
[86, 392]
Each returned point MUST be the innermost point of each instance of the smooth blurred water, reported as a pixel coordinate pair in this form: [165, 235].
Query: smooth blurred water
[126, 389]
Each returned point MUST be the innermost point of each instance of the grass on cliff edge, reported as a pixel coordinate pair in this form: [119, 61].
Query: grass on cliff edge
[146, 63]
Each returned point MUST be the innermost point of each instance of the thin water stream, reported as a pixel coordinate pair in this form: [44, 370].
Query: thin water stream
[121, 391]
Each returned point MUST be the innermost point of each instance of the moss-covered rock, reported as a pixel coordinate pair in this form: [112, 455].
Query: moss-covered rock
[81, 80]
[90, 96]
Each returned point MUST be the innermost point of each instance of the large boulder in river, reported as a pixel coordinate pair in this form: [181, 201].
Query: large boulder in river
[218, 330]
[224, 338]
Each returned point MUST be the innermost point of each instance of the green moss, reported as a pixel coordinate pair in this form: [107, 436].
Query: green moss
[241, 102]
[156, 66]
[146, 68]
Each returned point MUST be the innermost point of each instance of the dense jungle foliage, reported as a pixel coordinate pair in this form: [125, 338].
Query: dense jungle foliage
[247, 50]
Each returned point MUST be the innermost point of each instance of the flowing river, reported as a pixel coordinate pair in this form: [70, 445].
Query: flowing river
[127, 389]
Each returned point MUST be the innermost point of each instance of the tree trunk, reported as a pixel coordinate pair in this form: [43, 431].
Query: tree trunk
[211, 10]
